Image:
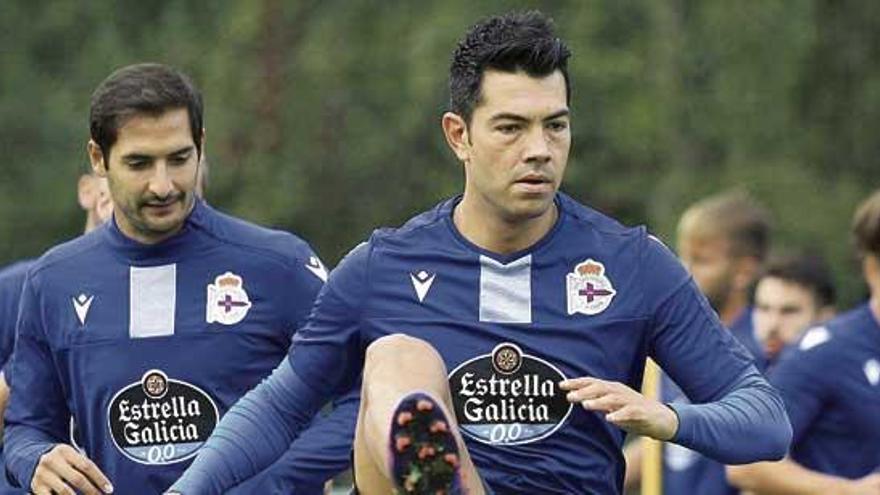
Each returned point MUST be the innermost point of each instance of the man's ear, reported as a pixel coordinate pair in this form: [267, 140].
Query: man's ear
[87, 191]
[96, 157]
[456, 131]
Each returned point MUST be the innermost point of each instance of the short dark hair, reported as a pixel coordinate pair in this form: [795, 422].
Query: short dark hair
[866, 226]
[142, 88]
[509, 43]
[808, 270]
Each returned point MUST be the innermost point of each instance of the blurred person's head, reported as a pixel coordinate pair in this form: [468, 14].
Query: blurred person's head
[792, 293]
[866, 235]
[509, 120]
[723, 241]
[146, 140]
[93, 195]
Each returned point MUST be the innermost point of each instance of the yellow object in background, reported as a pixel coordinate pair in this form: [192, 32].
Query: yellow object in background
[652, 453]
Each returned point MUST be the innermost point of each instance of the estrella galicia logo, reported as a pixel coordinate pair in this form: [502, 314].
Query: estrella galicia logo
[508, 397]
[158, 420]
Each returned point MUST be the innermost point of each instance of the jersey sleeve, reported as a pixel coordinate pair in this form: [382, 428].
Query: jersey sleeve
[735, 415]
[37, 414]
[324, 361]
[307, 280]
[801, 376]
[10, 295]
[321, 452]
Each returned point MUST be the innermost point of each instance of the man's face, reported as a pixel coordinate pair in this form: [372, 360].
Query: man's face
[708, 260]
[516, 145]
[783, 310]
[151, 174]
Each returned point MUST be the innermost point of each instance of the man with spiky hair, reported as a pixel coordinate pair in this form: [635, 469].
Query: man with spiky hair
[831, 386]
[500, 335]
[147, 329]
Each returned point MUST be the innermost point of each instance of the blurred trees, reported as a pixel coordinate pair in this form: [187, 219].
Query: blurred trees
[323, 116]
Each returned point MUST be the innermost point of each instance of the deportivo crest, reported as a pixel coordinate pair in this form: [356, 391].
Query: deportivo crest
[589, 291]
[158, 420]
[228, 303]
[508, 397]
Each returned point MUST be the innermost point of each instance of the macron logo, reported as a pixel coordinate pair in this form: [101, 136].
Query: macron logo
[81, 304]
[315, 266]
[422, 283]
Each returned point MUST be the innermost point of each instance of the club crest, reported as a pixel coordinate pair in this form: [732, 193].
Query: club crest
[589, 291]
[228, 303]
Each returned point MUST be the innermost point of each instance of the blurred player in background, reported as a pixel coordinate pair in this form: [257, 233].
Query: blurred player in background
[793, 293]
[723, 241]
[831, 386]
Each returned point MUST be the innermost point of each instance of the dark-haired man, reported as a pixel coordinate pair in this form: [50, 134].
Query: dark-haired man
[831, 385]
[792, 293]
[541, 310]
[147, 329]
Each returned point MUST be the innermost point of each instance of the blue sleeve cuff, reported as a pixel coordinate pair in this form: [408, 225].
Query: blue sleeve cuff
[22, 459]
[747, 425]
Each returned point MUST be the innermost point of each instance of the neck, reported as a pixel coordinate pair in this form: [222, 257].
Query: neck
[498, 235]
[91, 223]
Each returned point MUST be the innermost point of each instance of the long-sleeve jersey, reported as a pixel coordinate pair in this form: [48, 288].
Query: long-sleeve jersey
[147, 346]
[591, 298]
[830, 383]
[11, 280]
[686, 471]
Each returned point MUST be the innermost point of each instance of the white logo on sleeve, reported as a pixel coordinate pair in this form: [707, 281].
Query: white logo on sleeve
[315, 266]
[228, 303]
[872, 371]
[813, 337]
[422, 283]
[81, 305]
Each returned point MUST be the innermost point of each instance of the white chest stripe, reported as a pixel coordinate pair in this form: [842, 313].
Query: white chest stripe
[152, 301]
[506, 290]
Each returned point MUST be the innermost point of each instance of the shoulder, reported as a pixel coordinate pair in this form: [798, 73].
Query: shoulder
[597, 222]
[830, 342]
[420, 228]
[238, 234]
[13, 275]
[68, 255]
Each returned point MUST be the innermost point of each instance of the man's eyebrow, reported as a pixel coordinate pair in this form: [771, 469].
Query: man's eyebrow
[181, 151]
[133, 157]
[519, 118]
[561, 113]
[508, 116]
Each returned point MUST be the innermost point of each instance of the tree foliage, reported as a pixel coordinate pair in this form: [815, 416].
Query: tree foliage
[323, 117]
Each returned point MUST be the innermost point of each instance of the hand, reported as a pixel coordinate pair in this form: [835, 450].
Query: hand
[623, 407]
[868, 485]
[63, 470]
